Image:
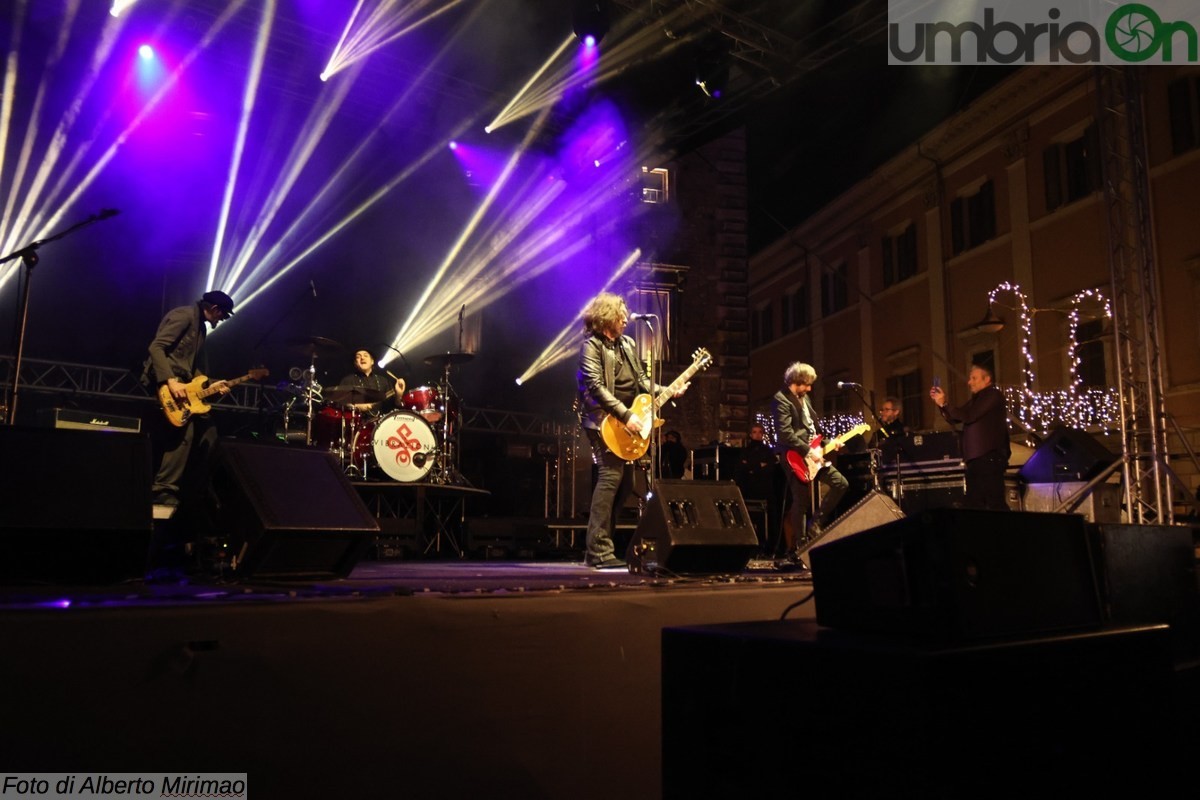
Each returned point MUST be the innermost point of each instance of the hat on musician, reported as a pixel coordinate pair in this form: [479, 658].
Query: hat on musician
[220, 300]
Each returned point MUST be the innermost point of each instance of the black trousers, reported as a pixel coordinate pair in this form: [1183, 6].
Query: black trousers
[985, 482]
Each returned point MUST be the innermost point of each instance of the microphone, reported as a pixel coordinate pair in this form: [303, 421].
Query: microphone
[312, 286]
[105, 213]
[844, 384]
[633, 317]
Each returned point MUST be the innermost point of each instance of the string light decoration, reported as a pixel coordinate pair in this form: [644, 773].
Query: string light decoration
[1076, 407]
[1073, 332]
[1026, 336]
[831, 426]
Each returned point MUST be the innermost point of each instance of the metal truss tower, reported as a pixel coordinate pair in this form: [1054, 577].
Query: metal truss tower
[1147, 474]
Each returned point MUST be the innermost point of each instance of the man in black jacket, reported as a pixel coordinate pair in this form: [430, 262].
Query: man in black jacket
[173, 361]
[610, 377]
[796, 426]
[985, 442]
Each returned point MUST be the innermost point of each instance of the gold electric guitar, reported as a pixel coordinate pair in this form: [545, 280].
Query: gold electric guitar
[179, 413]
[807, 467]
[632, 446]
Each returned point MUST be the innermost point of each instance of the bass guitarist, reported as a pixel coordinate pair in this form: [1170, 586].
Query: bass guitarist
[794, 421]
[174, 357]
[610, 377]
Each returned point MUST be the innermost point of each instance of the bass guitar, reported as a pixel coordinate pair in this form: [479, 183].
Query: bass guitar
[806, 467]
[632, 446]
[178, 413]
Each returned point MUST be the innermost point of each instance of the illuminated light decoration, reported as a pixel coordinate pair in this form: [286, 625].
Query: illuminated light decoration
[566, 343]
[1026, 337]
[389, 21]
[26, 223]
[837, 424]
[1096, 409]
[1074, 406]
[1073, 331]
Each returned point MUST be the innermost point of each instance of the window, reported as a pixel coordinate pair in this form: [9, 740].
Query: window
[913, 396]
[785, 313]
[1072, 169]
[1089, 349]
[800, 307]
[1183, 102]
[762, 326]
[973, 219]
[900, 256]
[835, 283]
[656, 185]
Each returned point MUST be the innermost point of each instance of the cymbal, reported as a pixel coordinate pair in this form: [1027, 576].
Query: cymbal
[448, 358]
[314, 345]
[352, 394]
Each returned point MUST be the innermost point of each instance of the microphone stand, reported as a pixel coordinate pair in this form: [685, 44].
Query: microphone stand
[872, 463]
[28, 255]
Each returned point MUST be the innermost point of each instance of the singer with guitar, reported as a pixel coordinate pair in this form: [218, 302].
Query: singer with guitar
[175, 358]
[797, 432]
[610, 377]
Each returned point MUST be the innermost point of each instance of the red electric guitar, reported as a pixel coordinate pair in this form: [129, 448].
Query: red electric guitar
[807, 467]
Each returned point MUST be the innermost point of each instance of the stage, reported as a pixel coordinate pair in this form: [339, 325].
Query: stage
[437, 678]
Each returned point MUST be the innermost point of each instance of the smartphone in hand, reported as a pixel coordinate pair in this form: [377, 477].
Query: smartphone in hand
[937, 382]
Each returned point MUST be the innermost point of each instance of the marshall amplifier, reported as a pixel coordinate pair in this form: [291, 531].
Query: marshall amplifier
[80, 420]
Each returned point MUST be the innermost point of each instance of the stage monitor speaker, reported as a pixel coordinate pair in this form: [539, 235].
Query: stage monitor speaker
[960, 574]
[287, 512]
[1067, 454]
[873, 510]
[693, 527]
[74, 506]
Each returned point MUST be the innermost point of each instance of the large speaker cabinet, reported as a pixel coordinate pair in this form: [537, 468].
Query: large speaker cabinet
[74, 506]
[693, 527]
[959, 574]
[287, 512]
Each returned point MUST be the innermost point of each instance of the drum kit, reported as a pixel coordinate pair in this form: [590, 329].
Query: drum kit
[414, 442]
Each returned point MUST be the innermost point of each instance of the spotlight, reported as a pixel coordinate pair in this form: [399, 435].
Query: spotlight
[146, 51]
[519, 381]
[712, 70]
[590, 21]
[453, 145]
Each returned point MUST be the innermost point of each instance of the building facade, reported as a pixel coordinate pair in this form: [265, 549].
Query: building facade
[986, 241]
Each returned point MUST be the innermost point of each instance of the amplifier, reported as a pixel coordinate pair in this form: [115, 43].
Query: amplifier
[79, 420]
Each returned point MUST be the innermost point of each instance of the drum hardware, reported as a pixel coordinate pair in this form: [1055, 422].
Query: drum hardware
[353, 394]
[447, 424]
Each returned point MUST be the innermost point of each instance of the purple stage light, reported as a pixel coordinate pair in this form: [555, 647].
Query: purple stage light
[146, 51]
[589, 41]
[453, 145]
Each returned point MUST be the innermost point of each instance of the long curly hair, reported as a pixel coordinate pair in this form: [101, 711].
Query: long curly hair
[604, 313]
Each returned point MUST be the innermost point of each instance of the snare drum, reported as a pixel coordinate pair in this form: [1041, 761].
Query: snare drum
[404, 446]
[332, 427]
[423, 401]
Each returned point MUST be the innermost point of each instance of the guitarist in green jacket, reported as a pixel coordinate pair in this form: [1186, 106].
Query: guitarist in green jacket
[794, 421]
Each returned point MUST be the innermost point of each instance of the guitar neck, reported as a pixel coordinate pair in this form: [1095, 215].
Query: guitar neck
[669, 392]
[212, 390]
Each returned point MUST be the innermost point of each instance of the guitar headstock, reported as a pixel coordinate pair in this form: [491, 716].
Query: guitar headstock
[701, 358]
[258, 373]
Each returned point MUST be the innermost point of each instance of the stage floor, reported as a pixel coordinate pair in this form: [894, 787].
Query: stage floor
[432, 679]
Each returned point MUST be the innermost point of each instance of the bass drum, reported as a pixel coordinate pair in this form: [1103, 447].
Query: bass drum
[404, 446]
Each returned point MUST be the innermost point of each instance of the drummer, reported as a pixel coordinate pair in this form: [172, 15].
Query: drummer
[375, 382]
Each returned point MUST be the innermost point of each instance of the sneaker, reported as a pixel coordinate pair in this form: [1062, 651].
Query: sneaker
[612, 562]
